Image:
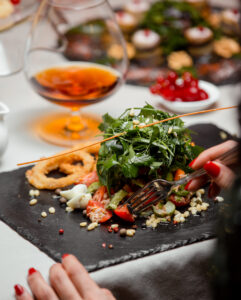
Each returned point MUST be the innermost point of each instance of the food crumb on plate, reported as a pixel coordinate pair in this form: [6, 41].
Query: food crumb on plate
[219, 199]
[52, 210]
[130, 232]
[92, 226]
[43, 214]
[83, 224]
[223, 135]
[69, 209]
[33, 202]
[33, 193]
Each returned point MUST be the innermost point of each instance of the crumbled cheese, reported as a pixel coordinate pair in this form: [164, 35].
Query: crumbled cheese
[43, 214]
[152, 221]
[219, 199]
[132, 112]
[92, 226]
[135, 122]
[201, 191]
[223, 135]
[169, 130]
[51, 210]
[78, 196]
[186, 214]
[114, 226]
[83, 224]
[68, 209]
[199, 208]
[193, 211]
[130, 232]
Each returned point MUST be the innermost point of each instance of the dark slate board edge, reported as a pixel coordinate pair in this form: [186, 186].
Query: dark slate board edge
[112, 262]
[160, 249]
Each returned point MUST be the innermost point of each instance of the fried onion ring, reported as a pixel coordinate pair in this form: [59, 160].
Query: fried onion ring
[37, 176]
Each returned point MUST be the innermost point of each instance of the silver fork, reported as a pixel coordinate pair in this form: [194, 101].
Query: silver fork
[159, 189]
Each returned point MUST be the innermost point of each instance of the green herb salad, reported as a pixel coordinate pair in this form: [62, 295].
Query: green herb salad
[129, 161]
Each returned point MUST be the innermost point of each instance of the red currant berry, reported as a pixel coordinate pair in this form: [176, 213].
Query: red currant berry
[160, 79]
[194, 82]
[166, 83]
[153, 89]
[172, 76]
[15, 2]
[202, 95]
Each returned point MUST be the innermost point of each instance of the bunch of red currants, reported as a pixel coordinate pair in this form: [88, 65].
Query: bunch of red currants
[173, 88]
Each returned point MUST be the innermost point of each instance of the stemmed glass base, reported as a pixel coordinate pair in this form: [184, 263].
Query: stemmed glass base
[66, 129]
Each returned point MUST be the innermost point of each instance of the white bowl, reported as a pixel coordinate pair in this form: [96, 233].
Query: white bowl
[191, 106]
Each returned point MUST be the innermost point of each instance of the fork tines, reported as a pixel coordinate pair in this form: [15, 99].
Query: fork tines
[144, 198]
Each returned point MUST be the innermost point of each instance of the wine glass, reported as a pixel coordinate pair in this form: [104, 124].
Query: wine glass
[75, 56]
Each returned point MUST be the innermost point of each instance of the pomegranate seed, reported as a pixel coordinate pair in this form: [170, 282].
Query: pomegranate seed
[61, 231]
[104, 245]
[116, 229]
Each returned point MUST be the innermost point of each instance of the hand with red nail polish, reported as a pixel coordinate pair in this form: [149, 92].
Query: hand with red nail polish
[68, 280]
[222, 176]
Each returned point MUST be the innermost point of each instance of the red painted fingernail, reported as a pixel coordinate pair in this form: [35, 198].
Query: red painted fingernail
[31, 271]
[187, 185]
[65, 255]
[18, 289]
[212, 169]
[192, 162]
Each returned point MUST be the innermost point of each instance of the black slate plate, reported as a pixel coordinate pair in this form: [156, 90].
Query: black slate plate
[87, 245]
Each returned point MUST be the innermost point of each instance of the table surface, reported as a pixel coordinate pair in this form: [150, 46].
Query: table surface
[17, 255]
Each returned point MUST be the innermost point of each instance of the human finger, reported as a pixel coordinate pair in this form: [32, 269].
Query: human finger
[39, 287]
[21, 293]
[211, 154]
[213, 190]
[108, 294]
[197, 183]
[62, 284]
[81, 279]
[220, 174]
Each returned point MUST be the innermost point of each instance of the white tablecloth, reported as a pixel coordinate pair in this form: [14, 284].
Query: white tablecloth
[175, 274]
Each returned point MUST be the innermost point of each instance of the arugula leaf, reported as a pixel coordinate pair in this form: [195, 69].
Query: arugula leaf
[146, 153]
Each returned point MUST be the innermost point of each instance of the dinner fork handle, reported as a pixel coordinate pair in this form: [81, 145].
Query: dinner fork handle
[227, 158]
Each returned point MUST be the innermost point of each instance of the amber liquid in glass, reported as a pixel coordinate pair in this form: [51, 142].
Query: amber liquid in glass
[73, 86]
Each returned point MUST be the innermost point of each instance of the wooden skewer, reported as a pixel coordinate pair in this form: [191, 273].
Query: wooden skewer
[122, 133]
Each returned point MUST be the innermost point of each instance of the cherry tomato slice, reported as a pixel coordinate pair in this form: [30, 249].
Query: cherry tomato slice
[97, 213]
[183, 202]
[179, 174]
[99, 194]
[89, 178]
[124, 213]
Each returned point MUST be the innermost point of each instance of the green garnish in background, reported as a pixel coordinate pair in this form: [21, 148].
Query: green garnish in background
[146, 153]
[160, 19]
